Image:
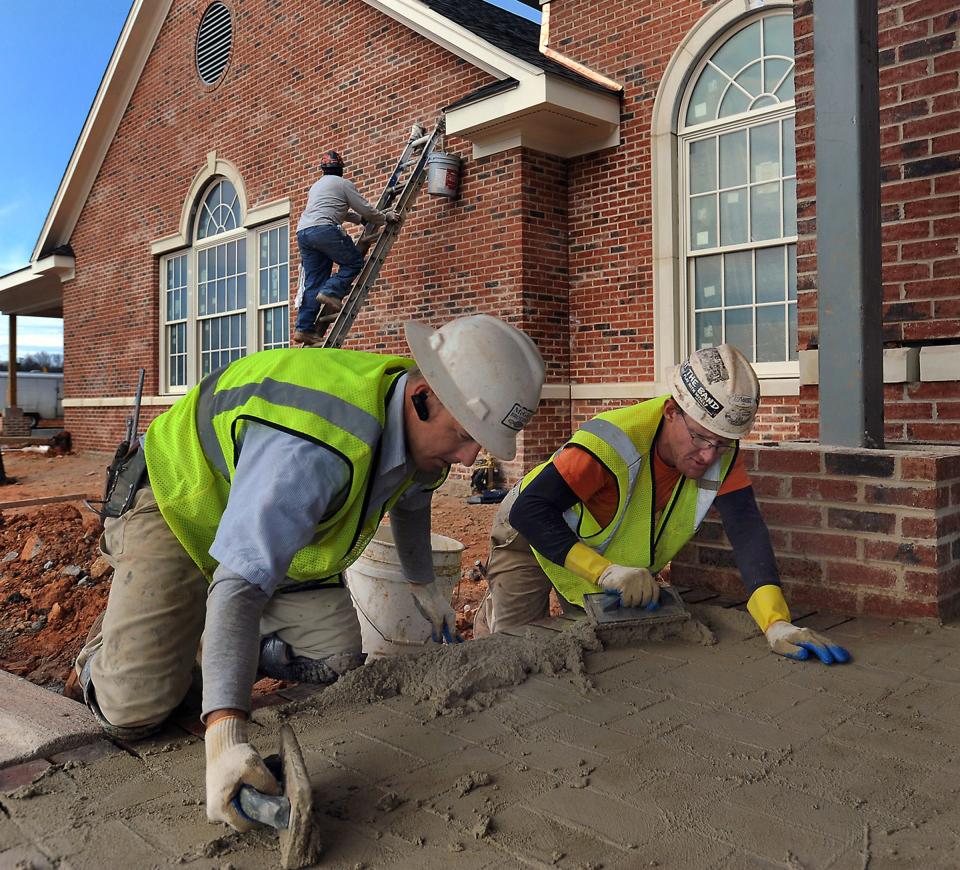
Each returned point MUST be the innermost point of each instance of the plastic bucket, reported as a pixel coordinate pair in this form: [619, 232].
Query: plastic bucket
[443, 174]
[390, 622]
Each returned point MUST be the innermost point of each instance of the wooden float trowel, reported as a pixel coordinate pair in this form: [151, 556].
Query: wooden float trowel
[605, 609]
[290, 813]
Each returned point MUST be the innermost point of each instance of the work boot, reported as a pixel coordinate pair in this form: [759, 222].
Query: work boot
[331, 302]
[308, 338]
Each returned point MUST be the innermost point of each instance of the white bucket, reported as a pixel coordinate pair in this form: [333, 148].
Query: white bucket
[390, 622]
[443, 174]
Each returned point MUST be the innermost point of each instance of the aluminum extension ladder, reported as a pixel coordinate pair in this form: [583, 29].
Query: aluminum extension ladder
[399, 194]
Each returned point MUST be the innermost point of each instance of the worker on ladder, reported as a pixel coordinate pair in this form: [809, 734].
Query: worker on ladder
[322, 241]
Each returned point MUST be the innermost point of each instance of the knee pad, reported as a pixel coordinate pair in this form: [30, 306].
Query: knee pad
[120, 732]
[277, 661]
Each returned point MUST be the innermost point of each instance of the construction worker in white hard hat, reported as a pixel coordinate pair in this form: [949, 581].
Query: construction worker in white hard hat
[617, 502]
[264, 483]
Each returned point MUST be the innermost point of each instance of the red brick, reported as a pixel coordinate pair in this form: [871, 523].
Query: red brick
[821, 544]
[897, 607]
[926, 9]
[861, 520]
[922, 584]
[917, 497]
[903, 552]
[924, 528]
[823, 489]
[789, 459]
[791, 514]
[858, 574]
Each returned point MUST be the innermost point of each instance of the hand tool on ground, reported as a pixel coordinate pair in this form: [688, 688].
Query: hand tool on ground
[605, 608]
[292, 813]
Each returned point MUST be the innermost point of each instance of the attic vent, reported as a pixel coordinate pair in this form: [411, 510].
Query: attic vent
[214, 39]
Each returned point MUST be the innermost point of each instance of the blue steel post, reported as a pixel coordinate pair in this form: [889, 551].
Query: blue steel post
[846, 84]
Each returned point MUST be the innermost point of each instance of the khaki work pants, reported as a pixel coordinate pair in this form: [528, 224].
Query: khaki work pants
[518, 591]
[146, 647]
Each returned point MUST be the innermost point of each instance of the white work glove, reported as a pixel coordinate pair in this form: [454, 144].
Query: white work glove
[789, 640]
[437, 610]
[392, 216]
[232, 762]
[636, 586]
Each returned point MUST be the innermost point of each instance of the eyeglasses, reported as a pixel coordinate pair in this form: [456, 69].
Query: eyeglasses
[702, 443]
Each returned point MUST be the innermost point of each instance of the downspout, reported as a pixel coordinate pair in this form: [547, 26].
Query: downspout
[578, 68]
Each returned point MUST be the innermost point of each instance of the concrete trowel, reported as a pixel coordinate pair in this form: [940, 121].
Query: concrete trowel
[291, 813]
[606, 610]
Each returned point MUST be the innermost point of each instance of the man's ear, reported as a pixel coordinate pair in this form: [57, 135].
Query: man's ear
[670, 409]
[419, 400]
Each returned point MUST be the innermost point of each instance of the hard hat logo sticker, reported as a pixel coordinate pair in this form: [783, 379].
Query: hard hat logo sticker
[701, 395]
[517, 417]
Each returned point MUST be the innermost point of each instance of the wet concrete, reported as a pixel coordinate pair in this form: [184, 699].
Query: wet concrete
[546, 750]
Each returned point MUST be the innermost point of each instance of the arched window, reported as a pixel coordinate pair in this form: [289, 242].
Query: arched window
[219, 211]
[737, 179]
[231, 283]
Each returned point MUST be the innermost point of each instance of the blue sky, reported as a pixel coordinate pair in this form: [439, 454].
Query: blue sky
[52, 58]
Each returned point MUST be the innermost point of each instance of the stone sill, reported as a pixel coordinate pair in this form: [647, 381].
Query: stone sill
[901, 365]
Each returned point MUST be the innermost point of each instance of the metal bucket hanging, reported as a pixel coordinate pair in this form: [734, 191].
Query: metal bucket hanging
[443, 174]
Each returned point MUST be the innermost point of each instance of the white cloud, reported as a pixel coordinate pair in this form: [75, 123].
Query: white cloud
[33, 334]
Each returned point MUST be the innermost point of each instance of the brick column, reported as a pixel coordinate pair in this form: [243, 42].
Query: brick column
[875, 534]
[15, 424]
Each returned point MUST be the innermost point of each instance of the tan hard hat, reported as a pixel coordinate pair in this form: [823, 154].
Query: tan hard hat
[718, 388]
[486, 373]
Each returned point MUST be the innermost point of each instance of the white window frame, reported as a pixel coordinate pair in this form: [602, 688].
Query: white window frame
[671, 335]
[250, 234]
[709, 130]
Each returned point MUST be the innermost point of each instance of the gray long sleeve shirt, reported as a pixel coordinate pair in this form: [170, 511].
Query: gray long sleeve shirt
[333, 200]
[283, 485]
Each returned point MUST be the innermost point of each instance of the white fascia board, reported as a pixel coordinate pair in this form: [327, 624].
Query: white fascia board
[456, 39]
[537, 92]
[130, 54]
[586, 120]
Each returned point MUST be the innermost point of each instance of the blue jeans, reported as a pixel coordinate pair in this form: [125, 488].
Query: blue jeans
[320, 247]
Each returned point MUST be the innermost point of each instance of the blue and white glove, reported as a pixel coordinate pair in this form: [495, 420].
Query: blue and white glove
[788, 640]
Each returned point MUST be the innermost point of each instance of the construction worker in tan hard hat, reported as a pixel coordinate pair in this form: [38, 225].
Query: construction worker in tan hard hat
[264, 483]
[614, 505]
[322, 243]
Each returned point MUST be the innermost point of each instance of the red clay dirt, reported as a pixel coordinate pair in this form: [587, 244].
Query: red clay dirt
[52, 585]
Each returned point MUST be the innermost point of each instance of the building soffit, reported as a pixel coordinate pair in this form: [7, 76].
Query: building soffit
[544, 111]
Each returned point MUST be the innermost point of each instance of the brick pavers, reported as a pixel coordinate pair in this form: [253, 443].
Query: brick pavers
[681, 757]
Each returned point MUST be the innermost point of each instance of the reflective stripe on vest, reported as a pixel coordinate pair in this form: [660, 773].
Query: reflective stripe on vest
[341, 406]
[365, 427]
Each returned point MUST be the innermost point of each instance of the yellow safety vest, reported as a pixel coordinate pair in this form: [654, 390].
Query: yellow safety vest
[338, 402]
[622, 441]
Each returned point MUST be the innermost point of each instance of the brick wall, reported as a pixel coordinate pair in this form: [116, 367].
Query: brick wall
[874, 533]
[356, 80]
[920, 195]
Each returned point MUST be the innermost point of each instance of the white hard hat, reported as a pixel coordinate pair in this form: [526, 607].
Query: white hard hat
[717, 387]
[486, 373]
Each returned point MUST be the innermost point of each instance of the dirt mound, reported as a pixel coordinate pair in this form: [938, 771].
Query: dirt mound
[52, 587]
